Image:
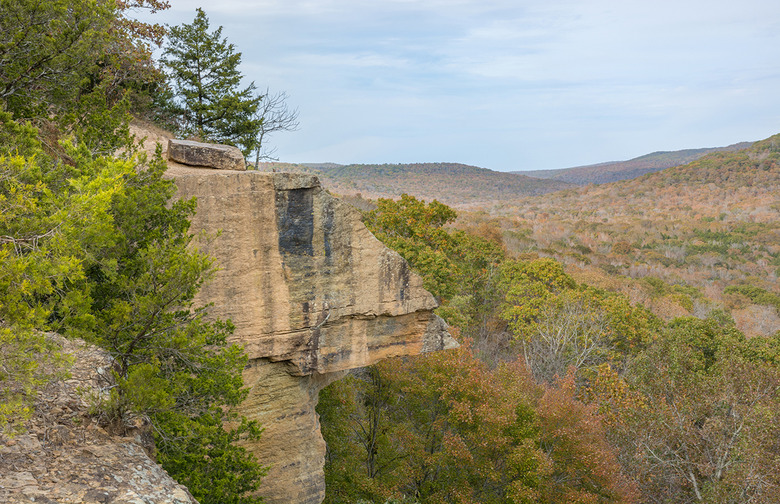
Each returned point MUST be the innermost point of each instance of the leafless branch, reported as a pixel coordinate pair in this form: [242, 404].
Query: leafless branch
[277, 116]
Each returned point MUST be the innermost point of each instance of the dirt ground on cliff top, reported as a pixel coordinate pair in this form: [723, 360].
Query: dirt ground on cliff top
[151, 136]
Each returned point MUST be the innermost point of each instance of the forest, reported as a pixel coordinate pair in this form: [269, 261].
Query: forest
[450, 183]
[613, 171]
[563, 390]
[620, 343]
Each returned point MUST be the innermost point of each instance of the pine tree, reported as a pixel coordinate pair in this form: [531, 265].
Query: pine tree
[206, 81]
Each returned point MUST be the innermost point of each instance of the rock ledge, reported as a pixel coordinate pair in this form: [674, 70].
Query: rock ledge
[206, 155]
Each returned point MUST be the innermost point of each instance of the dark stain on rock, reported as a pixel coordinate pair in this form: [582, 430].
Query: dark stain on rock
[305, 311]
[404, 280]
[314, 350]
[327, 226]
[295, 221]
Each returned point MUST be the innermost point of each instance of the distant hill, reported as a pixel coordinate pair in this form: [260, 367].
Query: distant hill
[451, 183]
[728, 186]
[704, 226]
[603, 173]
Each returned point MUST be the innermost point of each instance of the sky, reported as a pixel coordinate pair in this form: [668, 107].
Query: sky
[506, 84]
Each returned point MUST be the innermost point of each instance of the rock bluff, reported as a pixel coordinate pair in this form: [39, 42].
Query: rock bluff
[312, 294]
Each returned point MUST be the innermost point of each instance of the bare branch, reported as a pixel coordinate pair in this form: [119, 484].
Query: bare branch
[276, 116]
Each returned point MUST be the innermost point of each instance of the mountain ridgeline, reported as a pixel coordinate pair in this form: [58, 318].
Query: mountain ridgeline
[613, 171]
[450, 183]
[468, 186]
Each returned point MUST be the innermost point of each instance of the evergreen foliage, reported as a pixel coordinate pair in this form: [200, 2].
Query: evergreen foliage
[96, 250]
[77, 67]
[207, 85]
[40, 253]
[92, 246]
[46, 48]
[755, 294]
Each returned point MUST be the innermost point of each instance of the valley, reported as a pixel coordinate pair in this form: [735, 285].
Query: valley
[674, 240]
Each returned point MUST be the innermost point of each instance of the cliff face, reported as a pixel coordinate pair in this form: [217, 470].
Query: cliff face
[312, 294]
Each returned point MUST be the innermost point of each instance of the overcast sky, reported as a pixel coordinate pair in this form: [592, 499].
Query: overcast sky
[507, 84]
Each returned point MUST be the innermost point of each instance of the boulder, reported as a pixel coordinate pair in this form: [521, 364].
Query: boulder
[206, 155]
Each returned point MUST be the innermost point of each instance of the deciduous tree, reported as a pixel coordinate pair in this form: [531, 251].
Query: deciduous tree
[274, 115]
[696, 416]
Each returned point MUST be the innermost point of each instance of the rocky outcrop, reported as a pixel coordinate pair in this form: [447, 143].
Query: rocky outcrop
[65, 457]
[312, 294]
[206, 155]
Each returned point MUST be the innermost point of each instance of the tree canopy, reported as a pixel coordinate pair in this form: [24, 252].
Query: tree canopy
[211, 104]
[561, 391]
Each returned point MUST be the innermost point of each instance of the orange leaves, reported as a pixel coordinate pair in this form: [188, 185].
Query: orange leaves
[585, 467]
[463, 432]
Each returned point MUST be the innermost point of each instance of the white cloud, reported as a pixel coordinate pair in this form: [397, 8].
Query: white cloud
[508, 80]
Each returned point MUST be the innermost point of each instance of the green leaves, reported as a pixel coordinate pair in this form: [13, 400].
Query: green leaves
[204, 69]
[447, 428]
[46, 46]
[93, 247]
[559, 324]
[689, 414]
[77, 67]
[46, 235]
[202, 455]
[450, 262]
[96, 250]
[172, 365]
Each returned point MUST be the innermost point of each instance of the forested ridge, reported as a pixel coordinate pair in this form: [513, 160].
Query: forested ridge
[451, 183]
[619, 343]
[603, 173]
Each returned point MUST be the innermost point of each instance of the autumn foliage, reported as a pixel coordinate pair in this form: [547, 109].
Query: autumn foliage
[565, 388]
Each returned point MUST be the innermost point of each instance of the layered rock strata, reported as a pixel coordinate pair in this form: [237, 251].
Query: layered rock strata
[312, 294]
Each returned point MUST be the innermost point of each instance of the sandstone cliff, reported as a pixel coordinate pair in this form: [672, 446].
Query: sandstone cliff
[312, 294]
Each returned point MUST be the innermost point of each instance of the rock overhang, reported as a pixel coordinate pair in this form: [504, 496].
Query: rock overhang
[312, 294]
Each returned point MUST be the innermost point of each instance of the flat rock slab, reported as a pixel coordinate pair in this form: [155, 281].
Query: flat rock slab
[65, 457]
[206, 155]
